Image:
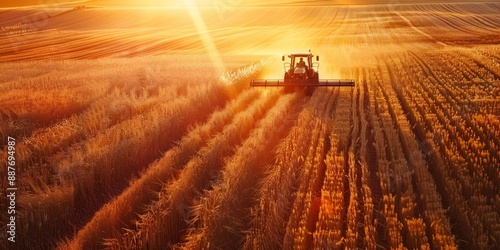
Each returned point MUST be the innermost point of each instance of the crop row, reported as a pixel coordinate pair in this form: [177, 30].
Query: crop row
[302, 221]
[222, 214]
[111, 217]
[330, 227]
[277, 189]
[432, 103]
[91, 167]
[435, 218]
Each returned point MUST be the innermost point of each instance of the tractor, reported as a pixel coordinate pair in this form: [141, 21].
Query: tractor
[301, 72]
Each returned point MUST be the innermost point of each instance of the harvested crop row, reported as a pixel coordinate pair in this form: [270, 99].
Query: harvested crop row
[120, 212]
[39, 150]
[158, 225]
[399, 165]
[388, 206]
[352, 236]
[447, 154]
[438, 225]
[100, 168]
[302, 221]
[277, 188]
[329, 227]
[364, 158]
[221, 218]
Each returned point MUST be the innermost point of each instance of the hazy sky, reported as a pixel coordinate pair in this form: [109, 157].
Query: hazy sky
[211, 3]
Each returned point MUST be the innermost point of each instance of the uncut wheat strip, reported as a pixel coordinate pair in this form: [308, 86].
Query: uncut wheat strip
[108, 160]
[435, 216]
[119, 105]
[82, 179]
[394, 227]
[101, 153]
[468, 134]
[303, 237]
[164, 219]
[330, 225]
[313, 188]
[276, 189]
[121, 211]
[222, 213]
[460, 210]
[480, 177]
[368, 206]
[293, 229]
[352, 175]
[167, 121]
[400, 164]
[101, 114]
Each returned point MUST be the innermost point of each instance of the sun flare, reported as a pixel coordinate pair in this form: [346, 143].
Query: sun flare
[205, 37]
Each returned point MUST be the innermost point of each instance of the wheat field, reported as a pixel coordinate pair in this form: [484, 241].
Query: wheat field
[129, 127]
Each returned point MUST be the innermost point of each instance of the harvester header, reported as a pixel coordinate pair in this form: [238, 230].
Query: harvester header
[301, 71]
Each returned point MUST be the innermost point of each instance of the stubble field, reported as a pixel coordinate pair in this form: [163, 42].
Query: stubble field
[136, 128]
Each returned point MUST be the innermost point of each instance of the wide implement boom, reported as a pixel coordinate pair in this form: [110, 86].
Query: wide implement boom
[305, 83]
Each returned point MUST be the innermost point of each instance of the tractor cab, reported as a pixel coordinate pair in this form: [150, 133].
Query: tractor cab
[300, 67]
[301, 72]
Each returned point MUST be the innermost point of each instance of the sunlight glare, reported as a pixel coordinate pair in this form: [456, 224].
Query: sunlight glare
[205, 36]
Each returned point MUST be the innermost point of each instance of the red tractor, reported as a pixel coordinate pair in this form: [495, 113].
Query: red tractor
[301, 71]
